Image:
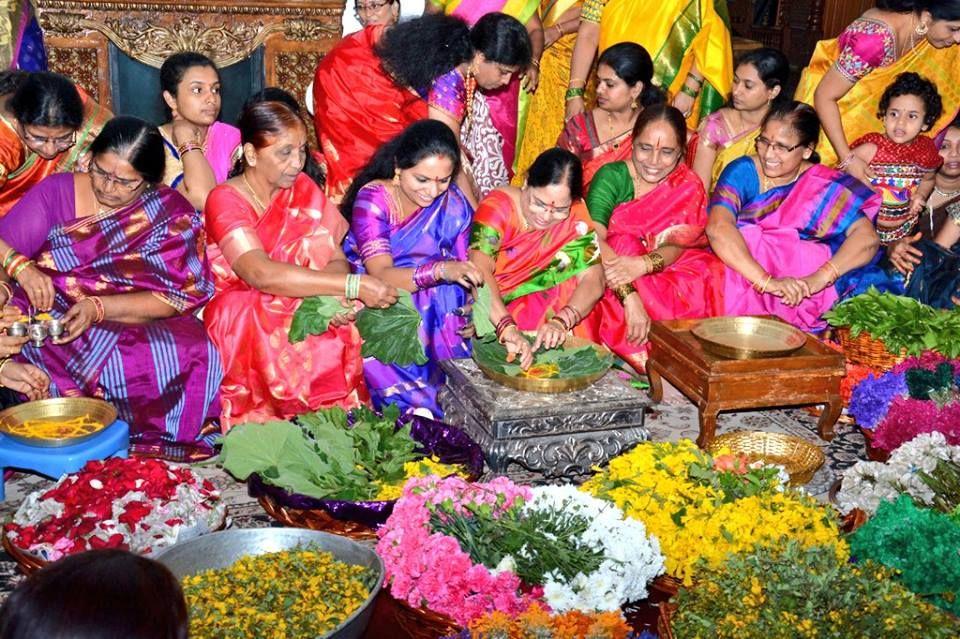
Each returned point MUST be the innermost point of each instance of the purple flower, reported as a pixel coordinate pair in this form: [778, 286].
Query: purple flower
[872, 397]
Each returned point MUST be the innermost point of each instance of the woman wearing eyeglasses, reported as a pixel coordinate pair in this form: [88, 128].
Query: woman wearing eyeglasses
[793, 233]
[120, 257]
[46, 127]
[372, 12]
[539, 255]
[651, 212]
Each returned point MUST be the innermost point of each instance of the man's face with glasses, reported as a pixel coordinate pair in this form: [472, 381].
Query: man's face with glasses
[47, 141]
[370, 12]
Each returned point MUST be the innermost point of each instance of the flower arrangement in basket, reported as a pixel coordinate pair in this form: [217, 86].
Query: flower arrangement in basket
[919, 395]
[703, 507]
[795, 592]
[463, 550]
[343, 471]
[879, 330]
[537, 621]
[141, 505]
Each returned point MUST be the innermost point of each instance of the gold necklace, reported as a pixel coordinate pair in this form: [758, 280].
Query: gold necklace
[769, 183]
[945, 194]
[243, 176]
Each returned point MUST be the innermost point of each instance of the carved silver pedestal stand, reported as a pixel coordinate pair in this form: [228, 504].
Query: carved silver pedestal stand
[535, 436]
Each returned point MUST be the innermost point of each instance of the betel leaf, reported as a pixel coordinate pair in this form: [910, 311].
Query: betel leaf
[481, 313]
[392, 335]
[313, 316]
[278, 451]
[571, 361]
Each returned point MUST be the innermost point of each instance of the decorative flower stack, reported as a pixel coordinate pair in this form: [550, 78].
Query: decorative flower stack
[464, 550]
[919, 395]
[141, 505]
[703, 508]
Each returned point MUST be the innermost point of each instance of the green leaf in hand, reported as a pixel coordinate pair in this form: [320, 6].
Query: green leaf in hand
[392, 335]
[313, 316]
[481, 313]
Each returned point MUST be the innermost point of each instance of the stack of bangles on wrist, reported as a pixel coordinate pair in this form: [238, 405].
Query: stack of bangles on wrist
[655, 262]
[505, 322]
[567, 317]
[760, 286]
[688, 90]
[14, 263]
[624, 291]
[351, 288]
[186, 147]
[575, 89]
[98, 305]
[429, 274]
[829, 265]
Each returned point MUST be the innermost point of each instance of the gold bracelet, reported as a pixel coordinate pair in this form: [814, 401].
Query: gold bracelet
[760, 288]
[833, 267]
[656, 262]
[624, 291]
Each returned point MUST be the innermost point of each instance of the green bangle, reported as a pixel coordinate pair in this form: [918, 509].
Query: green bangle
[574, 93]
[688, 91]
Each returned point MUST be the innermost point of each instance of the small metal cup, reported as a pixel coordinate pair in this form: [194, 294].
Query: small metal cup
[17, 329]
[38, 333]
[55, 328]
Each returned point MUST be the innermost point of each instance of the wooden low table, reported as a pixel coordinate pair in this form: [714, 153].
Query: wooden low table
[810, 375]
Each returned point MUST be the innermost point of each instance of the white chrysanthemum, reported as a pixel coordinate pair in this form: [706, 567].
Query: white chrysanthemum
[631, 559]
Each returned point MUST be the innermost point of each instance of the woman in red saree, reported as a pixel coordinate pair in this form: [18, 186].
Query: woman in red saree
[46, 128]
[277, 240]
[538, 255]
[651, 210]
[624, 87]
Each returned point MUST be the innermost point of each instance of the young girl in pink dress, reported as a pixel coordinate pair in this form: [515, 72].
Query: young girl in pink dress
[902, 160]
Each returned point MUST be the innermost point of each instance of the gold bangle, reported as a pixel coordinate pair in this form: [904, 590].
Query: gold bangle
[833, 267]
[657, 263]
[761, 287]
[576, 83]
[3, 364]
[624, 291]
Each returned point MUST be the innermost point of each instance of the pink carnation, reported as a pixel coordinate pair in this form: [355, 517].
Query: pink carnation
[908, 417]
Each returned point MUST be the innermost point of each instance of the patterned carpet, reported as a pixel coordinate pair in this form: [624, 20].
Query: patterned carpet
[672, 419]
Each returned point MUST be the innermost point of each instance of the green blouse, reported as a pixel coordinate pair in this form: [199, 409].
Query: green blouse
[611, 186]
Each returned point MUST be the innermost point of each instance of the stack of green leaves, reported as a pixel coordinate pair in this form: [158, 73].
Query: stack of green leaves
[923, 545]
[563, 362]
[321, 456]
[390, 335]
[900, 323]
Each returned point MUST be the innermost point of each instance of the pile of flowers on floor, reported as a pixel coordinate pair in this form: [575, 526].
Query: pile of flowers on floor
[141, 505]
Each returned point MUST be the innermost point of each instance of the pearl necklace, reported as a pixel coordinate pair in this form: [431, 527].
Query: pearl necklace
[945, 194]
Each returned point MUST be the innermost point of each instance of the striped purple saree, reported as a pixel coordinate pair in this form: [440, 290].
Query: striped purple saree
[163, 376]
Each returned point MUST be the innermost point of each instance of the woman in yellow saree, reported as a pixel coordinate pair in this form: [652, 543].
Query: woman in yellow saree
[846, 76]
[508, 105]
[560, 20]
[689, 41]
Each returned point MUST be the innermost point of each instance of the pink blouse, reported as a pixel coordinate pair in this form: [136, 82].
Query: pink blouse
[865, 45]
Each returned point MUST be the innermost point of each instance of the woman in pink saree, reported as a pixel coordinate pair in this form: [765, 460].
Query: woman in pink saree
[200, 150]
[651, 210]
[793, 234]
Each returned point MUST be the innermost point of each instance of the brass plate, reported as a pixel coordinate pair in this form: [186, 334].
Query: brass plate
[551, 385]
[748, 337]
[57, 408]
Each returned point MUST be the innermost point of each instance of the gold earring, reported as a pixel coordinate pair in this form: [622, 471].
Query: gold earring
[922, 28]
[396, 177]
[634, 105]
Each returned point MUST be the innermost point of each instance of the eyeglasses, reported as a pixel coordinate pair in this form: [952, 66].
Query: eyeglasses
[370, 7]
[554, 211]
[61, 144]
[107, 178]
[763, 143]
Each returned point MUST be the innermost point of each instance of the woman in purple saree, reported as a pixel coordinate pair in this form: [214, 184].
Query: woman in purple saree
[121, 258]
[409, 227]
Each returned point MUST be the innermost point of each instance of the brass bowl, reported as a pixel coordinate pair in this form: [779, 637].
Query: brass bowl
[748, 337]
[56, 408]
[800, 458]
[552, 384]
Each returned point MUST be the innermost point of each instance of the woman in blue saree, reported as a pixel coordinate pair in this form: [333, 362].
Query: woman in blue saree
[409, 226]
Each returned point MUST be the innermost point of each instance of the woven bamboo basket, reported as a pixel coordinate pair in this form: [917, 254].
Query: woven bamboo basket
[27, 562]
[420, 623]
[799, 457]
[315, 519]
[867, 351]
